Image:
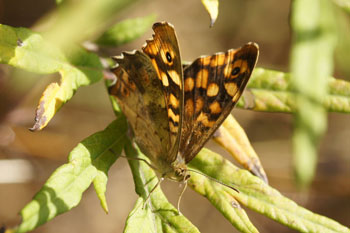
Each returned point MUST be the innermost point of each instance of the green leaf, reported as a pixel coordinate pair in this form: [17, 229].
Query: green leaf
[114, 139]
[22, 48]
[272, 91]
[219, 195]
[253, 193]
[314, 40]
[89, 162]
[126, 31]
[212, 7]
[158, 215]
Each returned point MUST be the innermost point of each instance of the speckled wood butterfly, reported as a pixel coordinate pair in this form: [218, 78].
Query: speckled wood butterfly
[174, 111]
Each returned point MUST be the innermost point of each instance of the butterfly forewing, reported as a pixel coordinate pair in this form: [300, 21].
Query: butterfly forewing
[164, 53]
[212, 86]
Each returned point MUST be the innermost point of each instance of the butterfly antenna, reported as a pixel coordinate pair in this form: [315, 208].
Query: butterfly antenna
[151, 166]
[181, 194]
[213, 179]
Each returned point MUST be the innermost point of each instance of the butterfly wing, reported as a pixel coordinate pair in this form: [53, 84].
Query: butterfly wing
[164, 53]
[212, 87]
[140, 96]
[149, 91]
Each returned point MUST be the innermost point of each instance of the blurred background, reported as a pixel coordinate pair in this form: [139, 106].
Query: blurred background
[27, 159]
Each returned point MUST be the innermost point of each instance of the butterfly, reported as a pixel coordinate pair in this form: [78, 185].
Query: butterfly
[173, 111]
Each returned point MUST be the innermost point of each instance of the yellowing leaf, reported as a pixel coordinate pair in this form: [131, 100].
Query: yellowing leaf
[232, 137]
[80, 69]
[212, 6]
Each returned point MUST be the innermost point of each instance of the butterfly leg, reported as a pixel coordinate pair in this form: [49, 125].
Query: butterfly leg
[154, 188]
[140, 159]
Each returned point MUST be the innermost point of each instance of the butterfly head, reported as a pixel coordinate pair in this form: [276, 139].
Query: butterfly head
[179, 173]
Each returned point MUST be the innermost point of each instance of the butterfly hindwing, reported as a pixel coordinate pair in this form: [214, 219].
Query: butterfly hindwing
[149, 89]
[164, 53]
[212, 86]
[140, 96]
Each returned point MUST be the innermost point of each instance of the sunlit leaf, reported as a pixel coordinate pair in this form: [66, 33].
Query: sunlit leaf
[22, 48]
[126, 31]
[113, 138]
[254, 194]
[89, 162]
[158, 215]
[212, 7]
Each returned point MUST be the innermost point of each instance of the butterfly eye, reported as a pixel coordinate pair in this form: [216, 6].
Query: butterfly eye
[168, 57]
[235, 71]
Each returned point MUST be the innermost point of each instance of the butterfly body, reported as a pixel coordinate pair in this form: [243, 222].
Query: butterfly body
[172, 111]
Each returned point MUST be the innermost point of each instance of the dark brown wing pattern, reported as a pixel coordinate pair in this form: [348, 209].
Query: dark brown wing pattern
[149, 89]
[140, 96]
[212, 86]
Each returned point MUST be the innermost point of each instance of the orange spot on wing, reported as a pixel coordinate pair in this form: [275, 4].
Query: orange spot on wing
[165, 80]
[173, 116]
[217, 60]
[231, 89]
[155, 65]
[203, 118]
[199, 104]
[215, 108]
[202, 78]
[151, 49]
[189, 84]
[213, 90]
[189, 107]
[205, 61]
[173, 101]
[175, 77]
[221, 59]
[173, 128]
